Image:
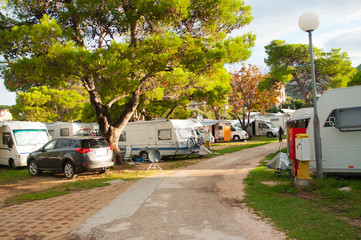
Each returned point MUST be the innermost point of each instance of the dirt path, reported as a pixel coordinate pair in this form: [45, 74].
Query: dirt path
[199, 202]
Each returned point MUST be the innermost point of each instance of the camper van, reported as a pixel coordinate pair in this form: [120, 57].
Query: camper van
[19, 139]
[260, 127]
[170, 137]
[339, 112]
[70, 129]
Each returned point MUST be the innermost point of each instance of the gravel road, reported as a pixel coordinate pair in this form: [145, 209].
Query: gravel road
[199, 202]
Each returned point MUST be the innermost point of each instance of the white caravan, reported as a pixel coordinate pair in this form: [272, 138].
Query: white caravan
[339, 113]
[170, 137]
[69, 129]
[19, 139]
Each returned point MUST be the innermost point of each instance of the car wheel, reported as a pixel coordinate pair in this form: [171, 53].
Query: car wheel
[144, 156]
[269, 134]
[103, 171]
[69, 170]
[12, 164]
[33, 168]
[236, 138]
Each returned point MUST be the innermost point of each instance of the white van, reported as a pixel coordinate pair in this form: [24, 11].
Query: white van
[70, 129]
[19, 139]
[339, 112]
[170, 137]
[262, 128]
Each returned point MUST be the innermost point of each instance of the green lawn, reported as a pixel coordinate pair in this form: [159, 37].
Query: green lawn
[319, 212]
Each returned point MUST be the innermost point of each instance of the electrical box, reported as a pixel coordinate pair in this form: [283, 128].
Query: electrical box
[303, 148]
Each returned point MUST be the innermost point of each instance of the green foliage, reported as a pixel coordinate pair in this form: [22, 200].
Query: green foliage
[293, 103]
[88, 114]
[290, 63]
[132, 56]
[4, 107]
[48, 105]
[355, 80]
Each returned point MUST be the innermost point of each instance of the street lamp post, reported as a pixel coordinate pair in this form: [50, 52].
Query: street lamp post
[308, 22]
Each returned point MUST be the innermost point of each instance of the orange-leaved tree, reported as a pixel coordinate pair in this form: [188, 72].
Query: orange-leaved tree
[248, 96]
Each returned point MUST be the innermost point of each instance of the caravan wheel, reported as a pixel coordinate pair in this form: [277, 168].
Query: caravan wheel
[12, 164]
[144, 156]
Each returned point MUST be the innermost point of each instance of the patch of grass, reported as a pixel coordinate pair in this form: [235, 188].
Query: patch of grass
[322, 212]
[22, 198]
[12, 175]
[238, 147]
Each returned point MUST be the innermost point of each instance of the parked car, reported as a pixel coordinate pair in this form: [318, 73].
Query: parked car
[72, 155]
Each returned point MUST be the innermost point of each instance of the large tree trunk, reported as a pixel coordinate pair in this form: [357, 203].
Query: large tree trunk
[111, 130]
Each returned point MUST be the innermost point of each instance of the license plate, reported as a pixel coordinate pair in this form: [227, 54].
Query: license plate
[102, 152]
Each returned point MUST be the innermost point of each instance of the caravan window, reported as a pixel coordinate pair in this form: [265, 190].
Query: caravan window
[164, 134]
[6, 138]
[299, 123]
[345, 119]
[123, 137]
[64, 132]
[185, 133]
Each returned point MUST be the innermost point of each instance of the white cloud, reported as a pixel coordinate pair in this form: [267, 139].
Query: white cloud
[340, 23]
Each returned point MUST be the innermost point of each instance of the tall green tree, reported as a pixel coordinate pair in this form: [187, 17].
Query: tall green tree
[119, 50]
[48, 105]
[290, 63]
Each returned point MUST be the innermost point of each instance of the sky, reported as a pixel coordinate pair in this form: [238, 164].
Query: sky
[340, 27]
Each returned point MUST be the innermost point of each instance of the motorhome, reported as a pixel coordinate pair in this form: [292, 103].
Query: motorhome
[19, 139]
[170, 137]
[259, 127]
[70, 129]
[339, 112]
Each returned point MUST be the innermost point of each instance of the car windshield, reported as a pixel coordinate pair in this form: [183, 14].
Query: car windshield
[237, 128]
[94, 143]
[25, 137]
[271, 125]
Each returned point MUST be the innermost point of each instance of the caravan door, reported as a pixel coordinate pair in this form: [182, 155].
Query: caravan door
[152, 136]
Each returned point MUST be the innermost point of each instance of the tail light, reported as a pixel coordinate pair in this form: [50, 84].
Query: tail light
[110, 148]
[83, 150]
